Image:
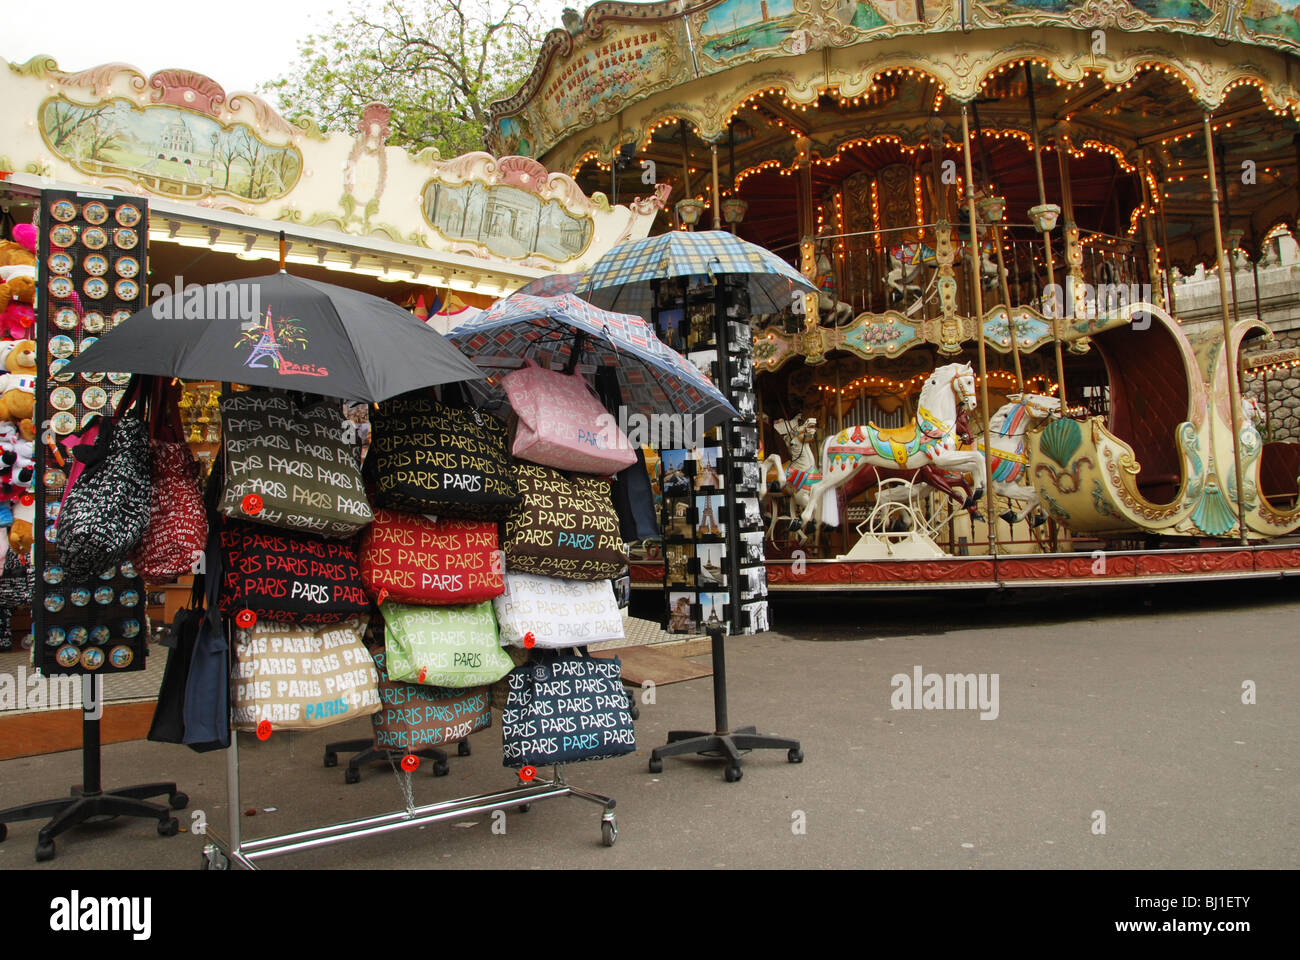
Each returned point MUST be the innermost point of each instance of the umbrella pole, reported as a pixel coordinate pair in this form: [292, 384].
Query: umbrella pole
[283, 249]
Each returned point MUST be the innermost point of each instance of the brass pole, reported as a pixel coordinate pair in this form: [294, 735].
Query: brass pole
[991, 518]
[1164, 239]
[1149, 230]
[1227, 216]
[717, 197]
[1229, 354]
[686, 162]
[1047, 236]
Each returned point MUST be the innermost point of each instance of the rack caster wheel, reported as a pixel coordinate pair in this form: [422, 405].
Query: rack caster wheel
[795, 755]
[44, 850]
[351, 775]
[441, 768]
[462, 749]
[732, 774]
[656, 765]
[169, 827]
[178, 801]
[331, 760]
[609, 831]
[213, 859]
[634, 710]
[4, 832]
[524, 807]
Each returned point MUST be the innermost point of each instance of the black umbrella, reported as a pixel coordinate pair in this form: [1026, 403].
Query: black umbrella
[281, 331]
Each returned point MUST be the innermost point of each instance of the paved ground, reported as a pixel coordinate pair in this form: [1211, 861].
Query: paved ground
[1124, 703]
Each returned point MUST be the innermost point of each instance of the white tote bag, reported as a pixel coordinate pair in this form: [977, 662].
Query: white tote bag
[558, 613]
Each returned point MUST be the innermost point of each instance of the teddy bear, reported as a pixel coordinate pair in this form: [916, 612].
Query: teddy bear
[18, 281]
[20, 534]
[18, 382]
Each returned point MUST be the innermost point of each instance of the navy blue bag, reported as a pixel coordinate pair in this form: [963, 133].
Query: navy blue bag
[207, 687]
[564, 709]
[633, 497]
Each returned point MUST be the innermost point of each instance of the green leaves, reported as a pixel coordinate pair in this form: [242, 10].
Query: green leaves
[437, 65]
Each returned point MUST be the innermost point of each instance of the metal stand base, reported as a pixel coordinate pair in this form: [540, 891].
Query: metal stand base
[367, 753]
[82, 807]
[723, 743]
[218, 853]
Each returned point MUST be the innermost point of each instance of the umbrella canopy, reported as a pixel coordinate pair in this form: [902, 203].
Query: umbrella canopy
[281, 331]
[552, 285]
[620, 280]
[653, 378]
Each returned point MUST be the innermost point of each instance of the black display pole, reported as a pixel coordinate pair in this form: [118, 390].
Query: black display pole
[89, 801]
[724, 742]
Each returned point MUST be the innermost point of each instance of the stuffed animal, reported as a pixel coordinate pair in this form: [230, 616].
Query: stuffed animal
[18, 281]
[18, 382]
[20, 534]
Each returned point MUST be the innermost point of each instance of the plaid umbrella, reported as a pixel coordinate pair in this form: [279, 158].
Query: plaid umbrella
[652, 377]
[552, 285]
[621, 278]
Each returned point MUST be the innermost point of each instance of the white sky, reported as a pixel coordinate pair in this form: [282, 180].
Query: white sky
[238, 43]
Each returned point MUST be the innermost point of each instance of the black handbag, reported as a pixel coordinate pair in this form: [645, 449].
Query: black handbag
[168, 724]
[634, 499]
[106, 512]
[440, 459]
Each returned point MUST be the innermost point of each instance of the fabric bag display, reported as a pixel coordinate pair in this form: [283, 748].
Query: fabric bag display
[414, 559]
[177, 531]
[412, 716]
[301, 678]
[565, 710]
[288, 465]
[288, 576]
[563, 528]
[557, 613]
[107, 510]
[562, 424]
[434, 458]
[443, 646]
[631, 492]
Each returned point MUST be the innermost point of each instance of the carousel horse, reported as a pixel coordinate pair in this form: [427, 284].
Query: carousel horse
[931, 438]
[905, 265]
[1007, 457]
[930, 478]
[831, 309]
[795, 481]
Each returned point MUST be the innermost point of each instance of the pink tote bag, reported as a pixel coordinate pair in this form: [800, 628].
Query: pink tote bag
[562, 424]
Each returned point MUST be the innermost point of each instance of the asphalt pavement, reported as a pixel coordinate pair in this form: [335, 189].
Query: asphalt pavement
[1116, 737]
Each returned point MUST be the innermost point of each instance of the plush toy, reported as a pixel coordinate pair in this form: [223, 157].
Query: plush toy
[18, 382]
[18, 281]
[20, 534]
[19, 455]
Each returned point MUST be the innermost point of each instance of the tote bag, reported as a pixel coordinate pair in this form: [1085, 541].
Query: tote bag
[107, 510]
[435, 458]
[443, 646]
[417, 560]
[288, 465]
[412, 716]
[550, 612]
[177, 531]
[301, 678]
[288, 576]
[564, 710]
[564, 527]
[562, 424]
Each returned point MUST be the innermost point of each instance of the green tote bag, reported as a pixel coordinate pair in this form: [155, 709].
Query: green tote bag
[453, 646]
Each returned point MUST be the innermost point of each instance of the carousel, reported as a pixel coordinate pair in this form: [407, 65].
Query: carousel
[996, 201]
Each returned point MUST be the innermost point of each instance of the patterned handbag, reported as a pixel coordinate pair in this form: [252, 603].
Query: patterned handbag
[431, 562]
[562, 424]
[550, 612]
[453, 647]
[107, 510]
[412, 716]
[177, 532]
[564, 527]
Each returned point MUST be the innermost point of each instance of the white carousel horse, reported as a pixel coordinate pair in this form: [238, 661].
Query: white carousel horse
[929, 439]
[830, 308]
[795, 481]
[1007, 457]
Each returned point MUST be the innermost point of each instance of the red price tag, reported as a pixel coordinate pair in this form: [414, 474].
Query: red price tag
[252, 504]
[529, 640]
[410, 763]
[383, 595]
[245, 619]
[264, 730]
[526, 774]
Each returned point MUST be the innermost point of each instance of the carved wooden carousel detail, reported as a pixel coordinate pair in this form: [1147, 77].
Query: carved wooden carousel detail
[1013, 202]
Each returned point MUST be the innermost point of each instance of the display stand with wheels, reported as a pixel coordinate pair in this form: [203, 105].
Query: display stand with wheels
[366, 753]
[90, 803]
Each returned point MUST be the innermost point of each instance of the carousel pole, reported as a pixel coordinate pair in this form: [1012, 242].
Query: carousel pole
[1227, 218]
[1229, 354]
[717, 196]
[1047, 233]
[1149, 233]
[1073, 251]
[991, 518]
[986, 168]
[1164, 239]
